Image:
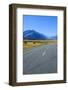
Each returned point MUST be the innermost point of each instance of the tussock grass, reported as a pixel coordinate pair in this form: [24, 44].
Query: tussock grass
[36, 43]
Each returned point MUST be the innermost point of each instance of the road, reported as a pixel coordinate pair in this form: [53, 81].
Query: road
[40, 60]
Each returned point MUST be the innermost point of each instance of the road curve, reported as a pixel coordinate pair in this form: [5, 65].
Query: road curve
[40, 60]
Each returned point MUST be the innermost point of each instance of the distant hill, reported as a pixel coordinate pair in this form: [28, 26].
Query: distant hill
[33, 35]
[53, 38]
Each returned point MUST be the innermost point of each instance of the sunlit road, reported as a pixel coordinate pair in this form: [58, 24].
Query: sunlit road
[39, 60]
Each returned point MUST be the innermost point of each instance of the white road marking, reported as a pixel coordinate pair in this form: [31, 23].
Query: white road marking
[43, 53]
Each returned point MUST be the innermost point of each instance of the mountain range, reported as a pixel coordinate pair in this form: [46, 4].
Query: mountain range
[34, 35]
[54, 38]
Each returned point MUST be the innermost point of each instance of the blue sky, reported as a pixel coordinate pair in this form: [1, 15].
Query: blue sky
[46, 25]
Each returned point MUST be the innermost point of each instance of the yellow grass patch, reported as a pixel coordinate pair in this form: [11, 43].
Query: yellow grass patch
[35, 43]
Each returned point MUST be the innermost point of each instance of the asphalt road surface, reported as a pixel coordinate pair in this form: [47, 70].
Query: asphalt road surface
[40, 60]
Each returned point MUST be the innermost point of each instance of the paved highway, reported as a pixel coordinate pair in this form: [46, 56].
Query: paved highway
[40, 60]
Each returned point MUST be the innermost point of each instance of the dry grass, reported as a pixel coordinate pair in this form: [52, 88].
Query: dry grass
[36, 43]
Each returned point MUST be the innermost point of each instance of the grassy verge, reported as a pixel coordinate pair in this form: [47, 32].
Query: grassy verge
[35, 43]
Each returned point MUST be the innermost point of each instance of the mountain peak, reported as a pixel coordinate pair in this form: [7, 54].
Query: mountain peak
[33, 35]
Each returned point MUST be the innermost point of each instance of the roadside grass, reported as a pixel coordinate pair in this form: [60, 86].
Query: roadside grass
[35, 43]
